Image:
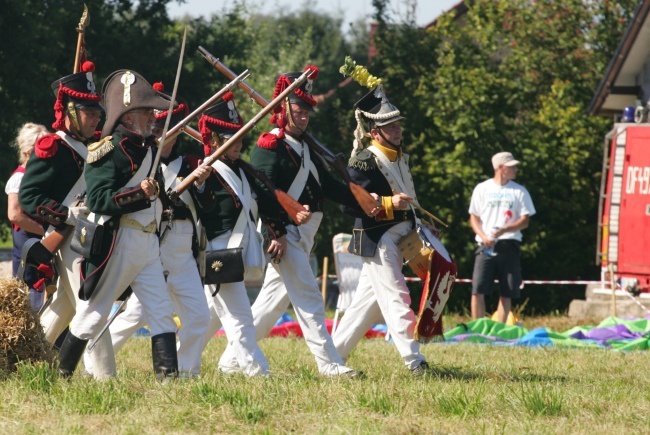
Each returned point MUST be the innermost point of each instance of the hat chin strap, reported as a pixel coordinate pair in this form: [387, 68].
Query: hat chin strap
[74, 120]
[397, 146]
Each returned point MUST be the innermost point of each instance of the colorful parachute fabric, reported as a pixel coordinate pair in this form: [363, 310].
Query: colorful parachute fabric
[613, 333]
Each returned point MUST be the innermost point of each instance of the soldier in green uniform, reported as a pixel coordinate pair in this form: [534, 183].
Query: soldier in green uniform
[290, 165]
[232, 224]
[53, 186]
[179, 252]
[123, 198]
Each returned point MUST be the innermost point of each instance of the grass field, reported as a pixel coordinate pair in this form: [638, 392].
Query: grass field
[472, 389]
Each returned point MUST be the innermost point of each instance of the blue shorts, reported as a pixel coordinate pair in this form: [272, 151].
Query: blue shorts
[505, 267]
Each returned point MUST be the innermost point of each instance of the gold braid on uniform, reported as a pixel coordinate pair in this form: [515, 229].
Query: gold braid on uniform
[99, 149]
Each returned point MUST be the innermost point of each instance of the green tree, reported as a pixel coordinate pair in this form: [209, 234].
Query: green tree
[512, 75]
[37, 46]
[268, 46]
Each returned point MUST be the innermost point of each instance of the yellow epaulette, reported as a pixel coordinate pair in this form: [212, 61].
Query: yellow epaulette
[99, 149]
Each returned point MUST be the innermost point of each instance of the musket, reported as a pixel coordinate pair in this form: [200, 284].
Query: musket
[365, 200]
[290, 205]
[156, 161]
[83, 23]
[187, 182]
[53, 241]
[182, 126]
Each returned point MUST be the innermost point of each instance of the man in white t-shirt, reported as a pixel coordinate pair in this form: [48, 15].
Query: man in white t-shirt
[499, 210]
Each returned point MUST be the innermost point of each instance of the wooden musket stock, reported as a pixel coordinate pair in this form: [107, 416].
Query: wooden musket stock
[290, 205]
[187, 182]
[365, 200]
[53, 241]
[182, 127]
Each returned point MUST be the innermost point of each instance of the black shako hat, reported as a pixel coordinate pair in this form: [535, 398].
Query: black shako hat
[375, 108]
[222, 119]
[79, 89]
[125, 90]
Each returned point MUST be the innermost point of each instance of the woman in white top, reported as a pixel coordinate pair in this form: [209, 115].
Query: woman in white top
[23, 226]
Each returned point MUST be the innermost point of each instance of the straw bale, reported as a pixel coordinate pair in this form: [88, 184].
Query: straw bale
[21, 334]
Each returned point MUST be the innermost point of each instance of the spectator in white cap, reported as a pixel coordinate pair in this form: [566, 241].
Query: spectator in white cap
[498, 211]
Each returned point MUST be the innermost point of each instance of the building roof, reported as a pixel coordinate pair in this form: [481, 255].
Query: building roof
[461, 8]
[619, 88]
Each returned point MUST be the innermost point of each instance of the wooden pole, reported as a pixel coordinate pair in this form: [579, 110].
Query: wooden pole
[612, 280]
[323, 287]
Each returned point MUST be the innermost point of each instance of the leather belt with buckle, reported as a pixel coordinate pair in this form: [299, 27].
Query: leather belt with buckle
[151, 227]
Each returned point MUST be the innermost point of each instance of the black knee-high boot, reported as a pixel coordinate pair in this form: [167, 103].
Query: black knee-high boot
[59, 340]
[163, 353]
[72, 349]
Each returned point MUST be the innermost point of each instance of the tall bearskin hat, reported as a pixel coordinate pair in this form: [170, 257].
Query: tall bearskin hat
[180, 111]
[375, 109]
[126, 90]
[222, 119]
[79, 89]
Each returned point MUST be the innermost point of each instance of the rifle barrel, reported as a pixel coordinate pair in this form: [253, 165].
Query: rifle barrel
[365, 200]
[185, 184]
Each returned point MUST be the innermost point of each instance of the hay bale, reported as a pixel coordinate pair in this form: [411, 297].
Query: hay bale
[21, 334]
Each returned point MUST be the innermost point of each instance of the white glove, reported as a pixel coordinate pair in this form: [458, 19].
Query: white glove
[74, 213]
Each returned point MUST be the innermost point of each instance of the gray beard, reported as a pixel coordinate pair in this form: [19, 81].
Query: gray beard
[136, 129]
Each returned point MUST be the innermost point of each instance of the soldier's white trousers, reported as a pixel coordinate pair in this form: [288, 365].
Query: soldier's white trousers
[232, 309]
[186, 290]
[293, 280]
[382, 290]
[135, 262]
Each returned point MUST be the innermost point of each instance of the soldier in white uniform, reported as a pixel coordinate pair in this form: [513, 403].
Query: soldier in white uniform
[381, 168]
[232, 224]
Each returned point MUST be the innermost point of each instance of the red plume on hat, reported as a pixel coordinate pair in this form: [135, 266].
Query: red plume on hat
[301, 94]
[207, 123]
[63, 90]
[180, 108]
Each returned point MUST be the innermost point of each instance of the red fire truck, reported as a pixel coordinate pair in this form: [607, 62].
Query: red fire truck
[624, 209]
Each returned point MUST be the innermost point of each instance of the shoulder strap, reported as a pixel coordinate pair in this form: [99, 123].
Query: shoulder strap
[393, 178]
[307, 166]
[77, 146]
[80, 184]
